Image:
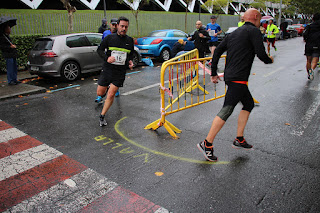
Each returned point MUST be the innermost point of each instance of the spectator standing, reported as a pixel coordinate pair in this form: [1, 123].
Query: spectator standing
[311, 36]
[242, 45]
[117, 50]
[271, 32]
[241, 22]
[9, 52]
[262, 31]
[214, 30]
[103, 26]
[200, 38]
[113, 28]
[283, 28]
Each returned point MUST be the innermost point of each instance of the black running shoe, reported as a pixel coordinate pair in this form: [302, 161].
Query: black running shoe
[241, 144]
[207, 151]
[310, 74]
[102, 121]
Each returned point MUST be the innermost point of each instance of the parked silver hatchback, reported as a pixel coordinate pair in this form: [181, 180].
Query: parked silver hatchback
[67, 56]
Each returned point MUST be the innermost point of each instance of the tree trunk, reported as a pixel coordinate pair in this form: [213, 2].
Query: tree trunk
[185, 19]
[137, 24]
[71, 9]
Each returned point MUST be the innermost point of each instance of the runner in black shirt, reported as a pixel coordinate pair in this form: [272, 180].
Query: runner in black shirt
[311, 36]
[242, 45]
[116, 50]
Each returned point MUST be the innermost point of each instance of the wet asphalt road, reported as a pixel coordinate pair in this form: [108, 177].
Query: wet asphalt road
[281, 174]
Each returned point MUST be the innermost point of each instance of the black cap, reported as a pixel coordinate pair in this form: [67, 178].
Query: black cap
[213, 17]
[114, 21]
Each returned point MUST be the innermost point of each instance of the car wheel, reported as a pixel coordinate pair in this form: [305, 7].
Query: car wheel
[165, 54]
[70, 71]
[135, 59]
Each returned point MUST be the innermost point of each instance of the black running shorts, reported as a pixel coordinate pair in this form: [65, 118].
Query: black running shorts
[312, 51]
[238, 93]
[213, 43]
[271, 40]
[108, 76]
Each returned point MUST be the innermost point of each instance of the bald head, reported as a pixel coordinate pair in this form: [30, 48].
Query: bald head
[198, 24]
[252, 15]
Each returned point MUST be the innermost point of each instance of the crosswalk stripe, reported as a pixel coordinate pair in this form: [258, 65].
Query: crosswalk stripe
[4, 125]
[9, 134]
[129, 202]
[27, 159]
[17, 145]
[89, 185]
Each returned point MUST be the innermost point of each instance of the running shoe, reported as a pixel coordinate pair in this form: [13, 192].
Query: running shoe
[98, 99]
[237, 144]
[207, 151]
[310, 74]
[117, 93]
[275, 48]
[102, 121]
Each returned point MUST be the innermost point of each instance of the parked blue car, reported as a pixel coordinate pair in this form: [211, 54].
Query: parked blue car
[160, 42]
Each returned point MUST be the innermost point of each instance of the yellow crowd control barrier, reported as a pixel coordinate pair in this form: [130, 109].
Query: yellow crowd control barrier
[177, 89]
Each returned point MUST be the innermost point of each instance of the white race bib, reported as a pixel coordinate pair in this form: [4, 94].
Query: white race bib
[212, 32]
[269, 32]
[120, 57]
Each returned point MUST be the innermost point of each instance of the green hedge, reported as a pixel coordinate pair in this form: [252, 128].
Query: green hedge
[24, 44]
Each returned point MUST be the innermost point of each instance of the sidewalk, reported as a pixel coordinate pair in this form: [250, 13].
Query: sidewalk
[12, 91]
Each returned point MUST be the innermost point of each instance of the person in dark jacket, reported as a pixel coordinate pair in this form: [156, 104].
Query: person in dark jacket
[200, 38]
[9, 52]
[311, 36]
[104, 26]
[178, 47]
[241, 45]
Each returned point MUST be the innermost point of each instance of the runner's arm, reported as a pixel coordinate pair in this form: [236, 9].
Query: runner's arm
[130, 56]
[221, 48]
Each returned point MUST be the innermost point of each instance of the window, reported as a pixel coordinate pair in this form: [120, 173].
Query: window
[94, 40]
[43, 44]
[158, 34]
[179, 34]
[77, 41]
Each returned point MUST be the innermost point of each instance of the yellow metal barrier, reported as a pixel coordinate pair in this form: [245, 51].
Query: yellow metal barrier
[183, 79]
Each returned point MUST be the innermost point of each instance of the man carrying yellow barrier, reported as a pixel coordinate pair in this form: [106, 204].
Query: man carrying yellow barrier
[242, 45]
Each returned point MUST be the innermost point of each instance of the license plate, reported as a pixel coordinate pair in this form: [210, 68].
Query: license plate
[34, 68]
[144, 51]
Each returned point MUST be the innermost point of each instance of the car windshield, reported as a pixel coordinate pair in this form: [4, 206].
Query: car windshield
[158, 34]
[295, 26]
[43, 44]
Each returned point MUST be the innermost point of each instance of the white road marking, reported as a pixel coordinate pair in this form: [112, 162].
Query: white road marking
[10, 134]
[144, 88]
[27, 159]
[273, 72]
[306, 119]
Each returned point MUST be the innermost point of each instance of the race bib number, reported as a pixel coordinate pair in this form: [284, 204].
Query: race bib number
[269, 32]
[120, 57]
[212, 32]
